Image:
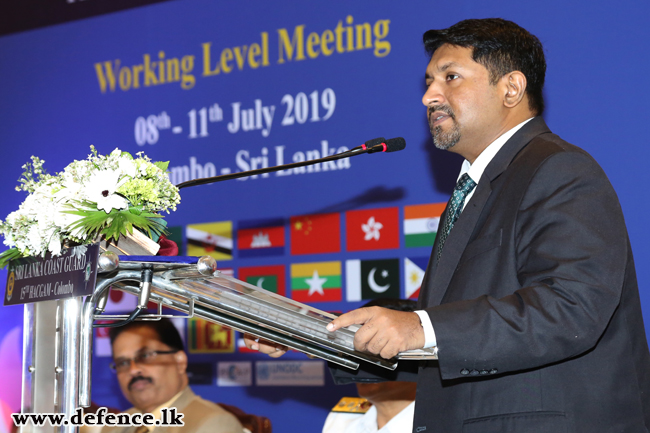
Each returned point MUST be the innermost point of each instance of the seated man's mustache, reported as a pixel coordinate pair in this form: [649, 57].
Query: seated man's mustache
[136, 378]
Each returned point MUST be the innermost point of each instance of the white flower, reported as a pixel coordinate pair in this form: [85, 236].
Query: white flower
[128, 167]
[55, 244]
[101, 189]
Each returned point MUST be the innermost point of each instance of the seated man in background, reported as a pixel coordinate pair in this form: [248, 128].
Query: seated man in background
[384, 407]
[150, 363]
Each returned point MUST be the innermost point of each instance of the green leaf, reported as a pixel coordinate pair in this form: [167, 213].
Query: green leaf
[9, 255]
[162, 165]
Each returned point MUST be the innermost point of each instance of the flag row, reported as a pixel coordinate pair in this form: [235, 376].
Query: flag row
[368, 229]
[330, 281]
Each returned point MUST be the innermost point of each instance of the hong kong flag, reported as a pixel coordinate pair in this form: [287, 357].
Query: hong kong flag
[372, 229]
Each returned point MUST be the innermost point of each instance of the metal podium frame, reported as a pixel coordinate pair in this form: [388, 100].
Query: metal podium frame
[58, 335]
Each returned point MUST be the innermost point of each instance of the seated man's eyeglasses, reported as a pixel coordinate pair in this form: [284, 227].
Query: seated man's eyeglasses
[149, 357]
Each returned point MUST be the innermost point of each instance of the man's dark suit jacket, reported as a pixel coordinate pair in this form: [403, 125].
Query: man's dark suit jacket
[535, 304]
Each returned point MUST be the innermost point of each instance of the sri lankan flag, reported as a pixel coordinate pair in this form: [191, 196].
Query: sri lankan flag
[316, 282]
[421, 224]
[208, 337]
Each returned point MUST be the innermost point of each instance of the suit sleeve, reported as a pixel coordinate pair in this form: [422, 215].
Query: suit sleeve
[570, 243]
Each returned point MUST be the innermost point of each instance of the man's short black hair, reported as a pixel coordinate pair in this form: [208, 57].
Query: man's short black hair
[167, 332]
[393, 304]
[502, 47]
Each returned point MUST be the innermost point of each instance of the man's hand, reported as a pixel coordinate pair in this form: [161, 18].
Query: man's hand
[384, 332]
[274, 350]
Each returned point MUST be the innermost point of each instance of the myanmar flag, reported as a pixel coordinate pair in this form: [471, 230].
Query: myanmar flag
[270, 278]
[316, 282]
[421, 224]
[314, 234]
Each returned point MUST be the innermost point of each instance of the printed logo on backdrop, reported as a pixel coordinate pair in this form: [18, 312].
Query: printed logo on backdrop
[314, 234]
[316, 282]
[372, 229]
[290, 373]
[413, 274]
[371, 279]
[235, 373]
[260, 238]
[208, 337]
[210, 239]
[421, 224]
[271, 278]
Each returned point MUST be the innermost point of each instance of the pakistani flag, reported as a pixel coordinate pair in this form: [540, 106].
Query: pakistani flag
[372, 279]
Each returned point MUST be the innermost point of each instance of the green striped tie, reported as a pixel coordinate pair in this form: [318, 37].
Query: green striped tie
[464, 186]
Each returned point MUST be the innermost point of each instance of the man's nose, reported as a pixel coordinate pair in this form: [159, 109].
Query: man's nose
[433, 95]
[134, 368]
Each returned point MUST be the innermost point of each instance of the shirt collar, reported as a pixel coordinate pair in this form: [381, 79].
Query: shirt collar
[475, 171]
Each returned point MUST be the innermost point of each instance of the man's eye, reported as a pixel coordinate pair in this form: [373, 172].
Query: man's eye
[123, 364]
[146, 356]
[451, 77]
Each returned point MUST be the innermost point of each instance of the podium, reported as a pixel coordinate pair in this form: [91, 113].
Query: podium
[191, 285]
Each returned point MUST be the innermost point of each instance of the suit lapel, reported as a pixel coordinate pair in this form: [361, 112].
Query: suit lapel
[441, 272]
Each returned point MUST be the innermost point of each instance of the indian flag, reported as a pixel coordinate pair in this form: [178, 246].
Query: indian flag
[421, 224]
[316, 282]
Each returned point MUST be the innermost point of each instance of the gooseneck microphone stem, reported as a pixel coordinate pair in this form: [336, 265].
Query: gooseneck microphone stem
[207, 180]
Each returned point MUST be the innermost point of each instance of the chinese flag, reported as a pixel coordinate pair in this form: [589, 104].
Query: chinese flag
[314, 234]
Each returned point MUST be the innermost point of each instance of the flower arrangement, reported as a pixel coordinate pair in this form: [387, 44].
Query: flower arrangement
[105, 196]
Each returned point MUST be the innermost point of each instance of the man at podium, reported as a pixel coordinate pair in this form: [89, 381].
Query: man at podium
[530, 296]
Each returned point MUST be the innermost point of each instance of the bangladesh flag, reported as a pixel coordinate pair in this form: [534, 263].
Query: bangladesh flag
[316, 282]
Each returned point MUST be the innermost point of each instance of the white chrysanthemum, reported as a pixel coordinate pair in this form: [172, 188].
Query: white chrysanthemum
[101, 187]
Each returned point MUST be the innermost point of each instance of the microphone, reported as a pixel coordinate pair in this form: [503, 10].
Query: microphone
[380, 144]
[390, 145]
[371, 146]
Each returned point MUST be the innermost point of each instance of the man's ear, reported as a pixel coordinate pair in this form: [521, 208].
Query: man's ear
[181, 361]
[514, 88]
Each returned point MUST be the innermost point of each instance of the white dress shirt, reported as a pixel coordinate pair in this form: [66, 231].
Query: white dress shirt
[475, 171]
[337, 422]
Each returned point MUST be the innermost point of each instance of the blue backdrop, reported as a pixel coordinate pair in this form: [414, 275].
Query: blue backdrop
[224, 86]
